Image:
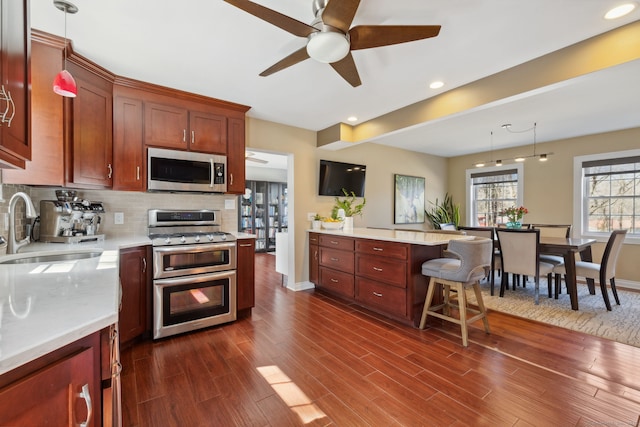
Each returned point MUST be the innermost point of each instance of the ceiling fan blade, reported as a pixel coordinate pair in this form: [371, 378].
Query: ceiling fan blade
[291, 25]
[368, 36]
[346, 67]
[297, 56]
[339, 14]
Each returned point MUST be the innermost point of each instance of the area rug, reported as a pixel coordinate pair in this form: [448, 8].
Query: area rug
[622, 324]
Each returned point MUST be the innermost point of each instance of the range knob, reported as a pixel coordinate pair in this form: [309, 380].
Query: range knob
[197, 238]
[167, 240]
[210, 237]
[182, 239]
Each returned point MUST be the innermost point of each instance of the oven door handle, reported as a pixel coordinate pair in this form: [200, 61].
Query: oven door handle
[194, 248]
[196, 278]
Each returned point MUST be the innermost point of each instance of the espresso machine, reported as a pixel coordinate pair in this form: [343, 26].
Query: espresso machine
[70, 221]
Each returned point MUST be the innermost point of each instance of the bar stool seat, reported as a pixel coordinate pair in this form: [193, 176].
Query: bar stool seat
[469, 261]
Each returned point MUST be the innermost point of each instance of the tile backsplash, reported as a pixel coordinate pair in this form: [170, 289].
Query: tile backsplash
[133, 205]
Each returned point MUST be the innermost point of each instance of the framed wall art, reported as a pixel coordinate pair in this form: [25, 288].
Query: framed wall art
[408, 207]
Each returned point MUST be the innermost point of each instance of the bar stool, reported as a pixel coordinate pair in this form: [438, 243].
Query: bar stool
[470, 261]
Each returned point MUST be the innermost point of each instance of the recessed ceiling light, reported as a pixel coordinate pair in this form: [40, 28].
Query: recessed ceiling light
[352, 119]
[436, 85]
[619, 11]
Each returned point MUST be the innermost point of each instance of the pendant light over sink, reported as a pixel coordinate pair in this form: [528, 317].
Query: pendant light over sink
[64, 83]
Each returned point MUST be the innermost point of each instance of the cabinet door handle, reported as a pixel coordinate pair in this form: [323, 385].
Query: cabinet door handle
[335, 259]
[137, 173]
[377, 268]
[110, 171]
[144, 265]
[245, 245]
[184, 135]
[315, 255]
[333, 242]
[334, 280]
[86, 395]
[379, 295]
[6, 95]
[193, 136]
[230, 179]
[378, 249]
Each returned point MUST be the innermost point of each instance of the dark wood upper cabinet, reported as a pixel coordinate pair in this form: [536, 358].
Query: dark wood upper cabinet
[235, 156]
[171, 126]
[15, 51]
[129, 172]
[90, 144]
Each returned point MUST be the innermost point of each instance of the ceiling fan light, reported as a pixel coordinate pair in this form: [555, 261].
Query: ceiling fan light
[327, 47]
[64, 84]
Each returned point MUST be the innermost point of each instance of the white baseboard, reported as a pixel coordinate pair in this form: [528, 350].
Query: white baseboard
[303, 286]
[628, 284]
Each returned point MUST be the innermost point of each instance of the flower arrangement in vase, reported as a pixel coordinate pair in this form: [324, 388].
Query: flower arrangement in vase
[514, 215]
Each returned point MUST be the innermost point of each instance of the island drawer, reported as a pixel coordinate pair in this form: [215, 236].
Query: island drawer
[338, 260]
[337, 242]
[337, 281]
[383, 269]
[382, 248]
[383, 297]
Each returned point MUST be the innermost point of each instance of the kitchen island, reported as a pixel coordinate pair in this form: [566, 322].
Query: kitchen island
[380, 270]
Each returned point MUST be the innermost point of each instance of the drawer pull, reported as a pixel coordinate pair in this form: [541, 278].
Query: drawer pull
[377, 269]
[334, 259]
[379, 295]
[378, 249]
[334, 280]
[333, 242]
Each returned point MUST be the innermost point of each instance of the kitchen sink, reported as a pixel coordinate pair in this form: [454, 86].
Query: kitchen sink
[35, 258]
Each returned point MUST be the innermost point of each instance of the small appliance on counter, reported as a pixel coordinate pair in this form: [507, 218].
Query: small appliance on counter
[70, 221]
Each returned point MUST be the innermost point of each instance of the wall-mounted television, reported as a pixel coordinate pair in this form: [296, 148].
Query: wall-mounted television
[334, 176]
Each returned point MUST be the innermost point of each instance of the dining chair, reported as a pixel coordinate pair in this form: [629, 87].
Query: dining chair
[487, 233]
[468, 262]
[606, 270]
[520, 255]
[554, 230]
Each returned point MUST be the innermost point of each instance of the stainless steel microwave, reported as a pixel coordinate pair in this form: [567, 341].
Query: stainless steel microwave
[186, 171]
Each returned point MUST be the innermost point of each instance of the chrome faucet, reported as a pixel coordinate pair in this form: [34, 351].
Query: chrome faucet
[14, 244]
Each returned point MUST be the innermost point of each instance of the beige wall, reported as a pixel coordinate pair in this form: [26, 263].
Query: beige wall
[548, 186]
[381, 161]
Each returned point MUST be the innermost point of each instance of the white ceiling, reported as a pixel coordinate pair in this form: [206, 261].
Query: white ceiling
[212, 48]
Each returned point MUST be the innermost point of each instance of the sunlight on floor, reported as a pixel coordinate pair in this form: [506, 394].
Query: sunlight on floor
[291, 394]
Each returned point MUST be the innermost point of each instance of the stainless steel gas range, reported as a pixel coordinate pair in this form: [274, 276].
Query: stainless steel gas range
[194, 271]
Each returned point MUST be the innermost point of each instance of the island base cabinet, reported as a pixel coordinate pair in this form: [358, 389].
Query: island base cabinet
[337, 282]
[390, 299]
[382, 276]
[64, 392]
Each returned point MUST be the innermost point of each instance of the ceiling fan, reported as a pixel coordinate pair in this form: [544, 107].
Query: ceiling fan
[248, 156]
[330, 40]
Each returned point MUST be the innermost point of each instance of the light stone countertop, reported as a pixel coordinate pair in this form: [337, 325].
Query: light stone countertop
[45, 306]
[412, 237]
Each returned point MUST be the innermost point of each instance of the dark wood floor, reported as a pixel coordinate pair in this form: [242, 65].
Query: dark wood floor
[304, 358]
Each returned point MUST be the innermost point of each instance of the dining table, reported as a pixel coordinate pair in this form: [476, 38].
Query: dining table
[568, 248]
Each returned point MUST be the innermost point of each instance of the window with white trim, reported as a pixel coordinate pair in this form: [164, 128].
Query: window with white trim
[490, 191]
[610, 190]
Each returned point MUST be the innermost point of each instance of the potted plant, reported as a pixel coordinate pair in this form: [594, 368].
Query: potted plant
[317, 222]
[446, 212]
[348, 208]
